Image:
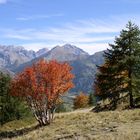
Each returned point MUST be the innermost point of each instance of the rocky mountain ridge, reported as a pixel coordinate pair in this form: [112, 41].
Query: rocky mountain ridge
[15, 59]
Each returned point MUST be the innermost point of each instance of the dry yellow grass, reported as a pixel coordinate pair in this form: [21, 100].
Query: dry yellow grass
[113, 125]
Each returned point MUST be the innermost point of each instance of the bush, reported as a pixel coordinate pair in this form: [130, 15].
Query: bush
[64, 108]
[81, 101]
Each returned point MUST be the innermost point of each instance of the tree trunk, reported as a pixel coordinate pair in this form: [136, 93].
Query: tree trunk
[131, 100]
[53, 111]
[130, 76]
[41, 118]
[114, 103]
[42, 121]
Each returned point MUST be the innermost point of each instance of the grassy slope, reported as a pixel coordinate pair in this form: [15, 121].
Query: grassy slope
[18, 124]
[84, 125]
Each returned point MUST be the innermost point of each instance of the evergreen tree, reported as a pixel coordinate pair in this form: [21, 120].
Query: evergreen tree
[121, 71]
[10, 107]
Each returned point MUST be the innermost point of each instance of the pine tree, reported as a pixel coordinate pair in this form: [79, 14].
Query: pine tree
[131, 61]
[121, 71]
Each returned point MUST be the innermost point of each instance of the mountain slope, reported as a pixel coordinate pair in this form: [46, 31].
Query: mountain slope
[66, 52]
[85, 71]
[41, 52]
[15, 59]
[61, 53]
[11, 56]
[7, 71]
[79, 125]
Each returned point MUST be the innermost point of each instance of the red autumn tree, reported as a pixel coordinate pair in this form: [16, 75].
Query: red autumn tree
[41, 86]
[81, 101]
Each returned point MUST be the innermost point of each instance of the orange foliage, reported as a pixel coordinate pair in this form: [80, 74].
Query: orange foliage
[43, 83]
[81, 101]
[51, 79]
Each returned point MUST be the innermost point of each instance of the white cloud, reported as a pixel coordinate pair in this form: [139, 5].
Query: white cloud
[92, 35]
[36, 17]
[90, 48]
[94, 47]
[36, 46]
[78, 32]
[3, 1]
[16, 36]
[88, 35]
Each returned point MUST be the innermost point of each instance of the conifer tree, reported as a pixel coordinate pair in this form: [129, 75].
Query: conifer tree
[121, 71]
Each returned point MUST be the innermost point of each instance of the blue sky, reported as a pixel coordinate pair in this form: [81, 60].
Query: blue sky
[88, 24]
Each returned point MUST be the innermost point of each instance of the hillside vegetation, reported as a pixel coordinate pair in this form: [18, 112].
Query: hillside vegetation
[85, 125]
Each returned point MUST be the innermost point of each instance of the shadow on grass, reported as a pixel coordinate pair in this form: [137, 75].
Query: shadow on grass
[20, 132]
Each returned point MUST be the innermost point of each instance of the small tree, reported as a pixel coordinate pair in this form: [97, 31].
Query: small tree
[41, 86]
[81, 101]
[92, 99]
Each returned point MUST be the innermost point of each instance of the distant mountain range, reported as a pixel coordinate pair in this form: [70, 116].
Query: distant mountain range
[15, 59]
[14, 56]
